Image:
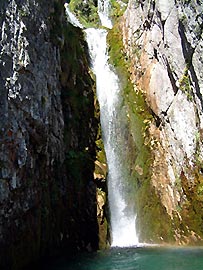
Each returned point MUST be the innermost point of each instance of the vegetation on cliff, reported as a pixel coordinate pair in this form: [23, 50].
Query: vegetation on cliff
[166, 212]
[151, 225]
[86, 12]
[153, 32]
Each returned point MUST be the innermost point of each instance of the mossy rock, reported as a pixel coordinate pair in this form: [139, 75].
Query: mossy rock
[153, 223]
[86, 12]
[117, 9]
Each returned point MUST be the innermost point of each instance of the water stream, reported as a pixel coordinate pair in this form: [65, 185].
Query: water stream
[103, 12]
[71, 17]
[122, 214]
[113, 129]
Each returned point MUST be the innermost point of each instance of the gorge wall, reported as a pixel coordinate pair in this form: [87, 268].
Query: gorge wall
[156, 47]
[163, 43]
[47, 134]
[48, 126]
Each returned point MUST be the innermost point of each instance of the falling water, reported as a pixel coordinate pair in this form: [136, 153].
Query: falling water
[103, 12]
[71, 17]
[108, 92]
[113, 129]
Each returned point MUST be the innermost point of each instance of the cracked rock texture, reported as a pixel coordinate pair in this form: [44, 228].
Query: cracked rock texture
[163, 40]
[47, 194]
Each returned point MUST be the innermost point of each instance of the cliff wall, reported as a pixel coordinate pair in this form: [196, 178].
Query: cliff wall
[47, 134]
[163, 42]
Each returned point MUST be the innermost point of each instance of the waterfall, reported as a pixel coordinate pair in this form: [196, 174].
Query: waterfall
[122, 215]
[103, 12]
[71, 17]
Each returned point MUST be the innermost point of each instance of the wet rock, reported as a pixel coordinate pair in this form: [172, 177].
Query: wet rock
[163, 40]
[42, 148]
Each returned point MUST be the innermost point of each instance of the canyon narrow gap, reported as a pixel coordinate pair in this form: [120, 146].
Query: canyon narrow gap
[101, 134]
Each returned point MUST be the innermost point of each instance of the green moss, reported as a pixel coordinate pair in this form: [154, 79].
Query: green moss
[185, 84]
[117, 9]
[103, 235]
[85, 12]
[138, 113]
[100, 153]
[192, 186]
[192, 207]
[116, 54]
[153, 222]
[178, 184]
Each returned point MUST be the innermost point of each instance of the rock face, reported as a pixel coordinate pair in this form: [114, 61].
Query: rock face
[163, 41]
[47, 134]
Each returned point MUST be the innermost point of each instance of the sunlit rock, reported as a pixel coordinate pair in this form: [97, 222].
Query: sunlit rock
[163, 41]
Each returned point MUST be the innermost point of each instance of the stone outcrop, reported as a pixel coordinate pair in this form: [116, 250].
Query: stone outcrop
[163, 42]
[100, 178]
[47, 134]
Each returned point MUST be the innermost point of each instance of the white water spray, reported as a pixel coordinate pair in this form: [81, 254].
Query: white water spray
[71, 17]
[108, 92]
[103, 12]
[113, 131]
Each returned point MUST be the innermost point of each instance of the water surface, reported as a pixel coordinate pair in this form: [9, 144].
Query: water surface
[147, 258]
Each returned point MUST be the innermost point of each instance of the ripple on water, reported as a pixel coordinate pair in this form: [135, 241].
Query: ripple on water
[140, 258]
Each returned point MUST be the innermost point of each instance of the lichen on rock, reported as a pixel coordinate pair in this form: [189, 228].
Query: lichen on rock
[163, 41]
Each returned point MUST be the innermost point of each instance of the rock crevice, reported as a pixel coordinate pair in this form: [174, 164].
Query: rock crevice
[47, 192]
[163, 40]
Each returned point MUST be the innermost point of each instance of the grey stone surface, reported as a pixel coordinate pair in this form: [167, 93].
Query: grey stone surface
[168, 36]
[163, 40]
[41, 113]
